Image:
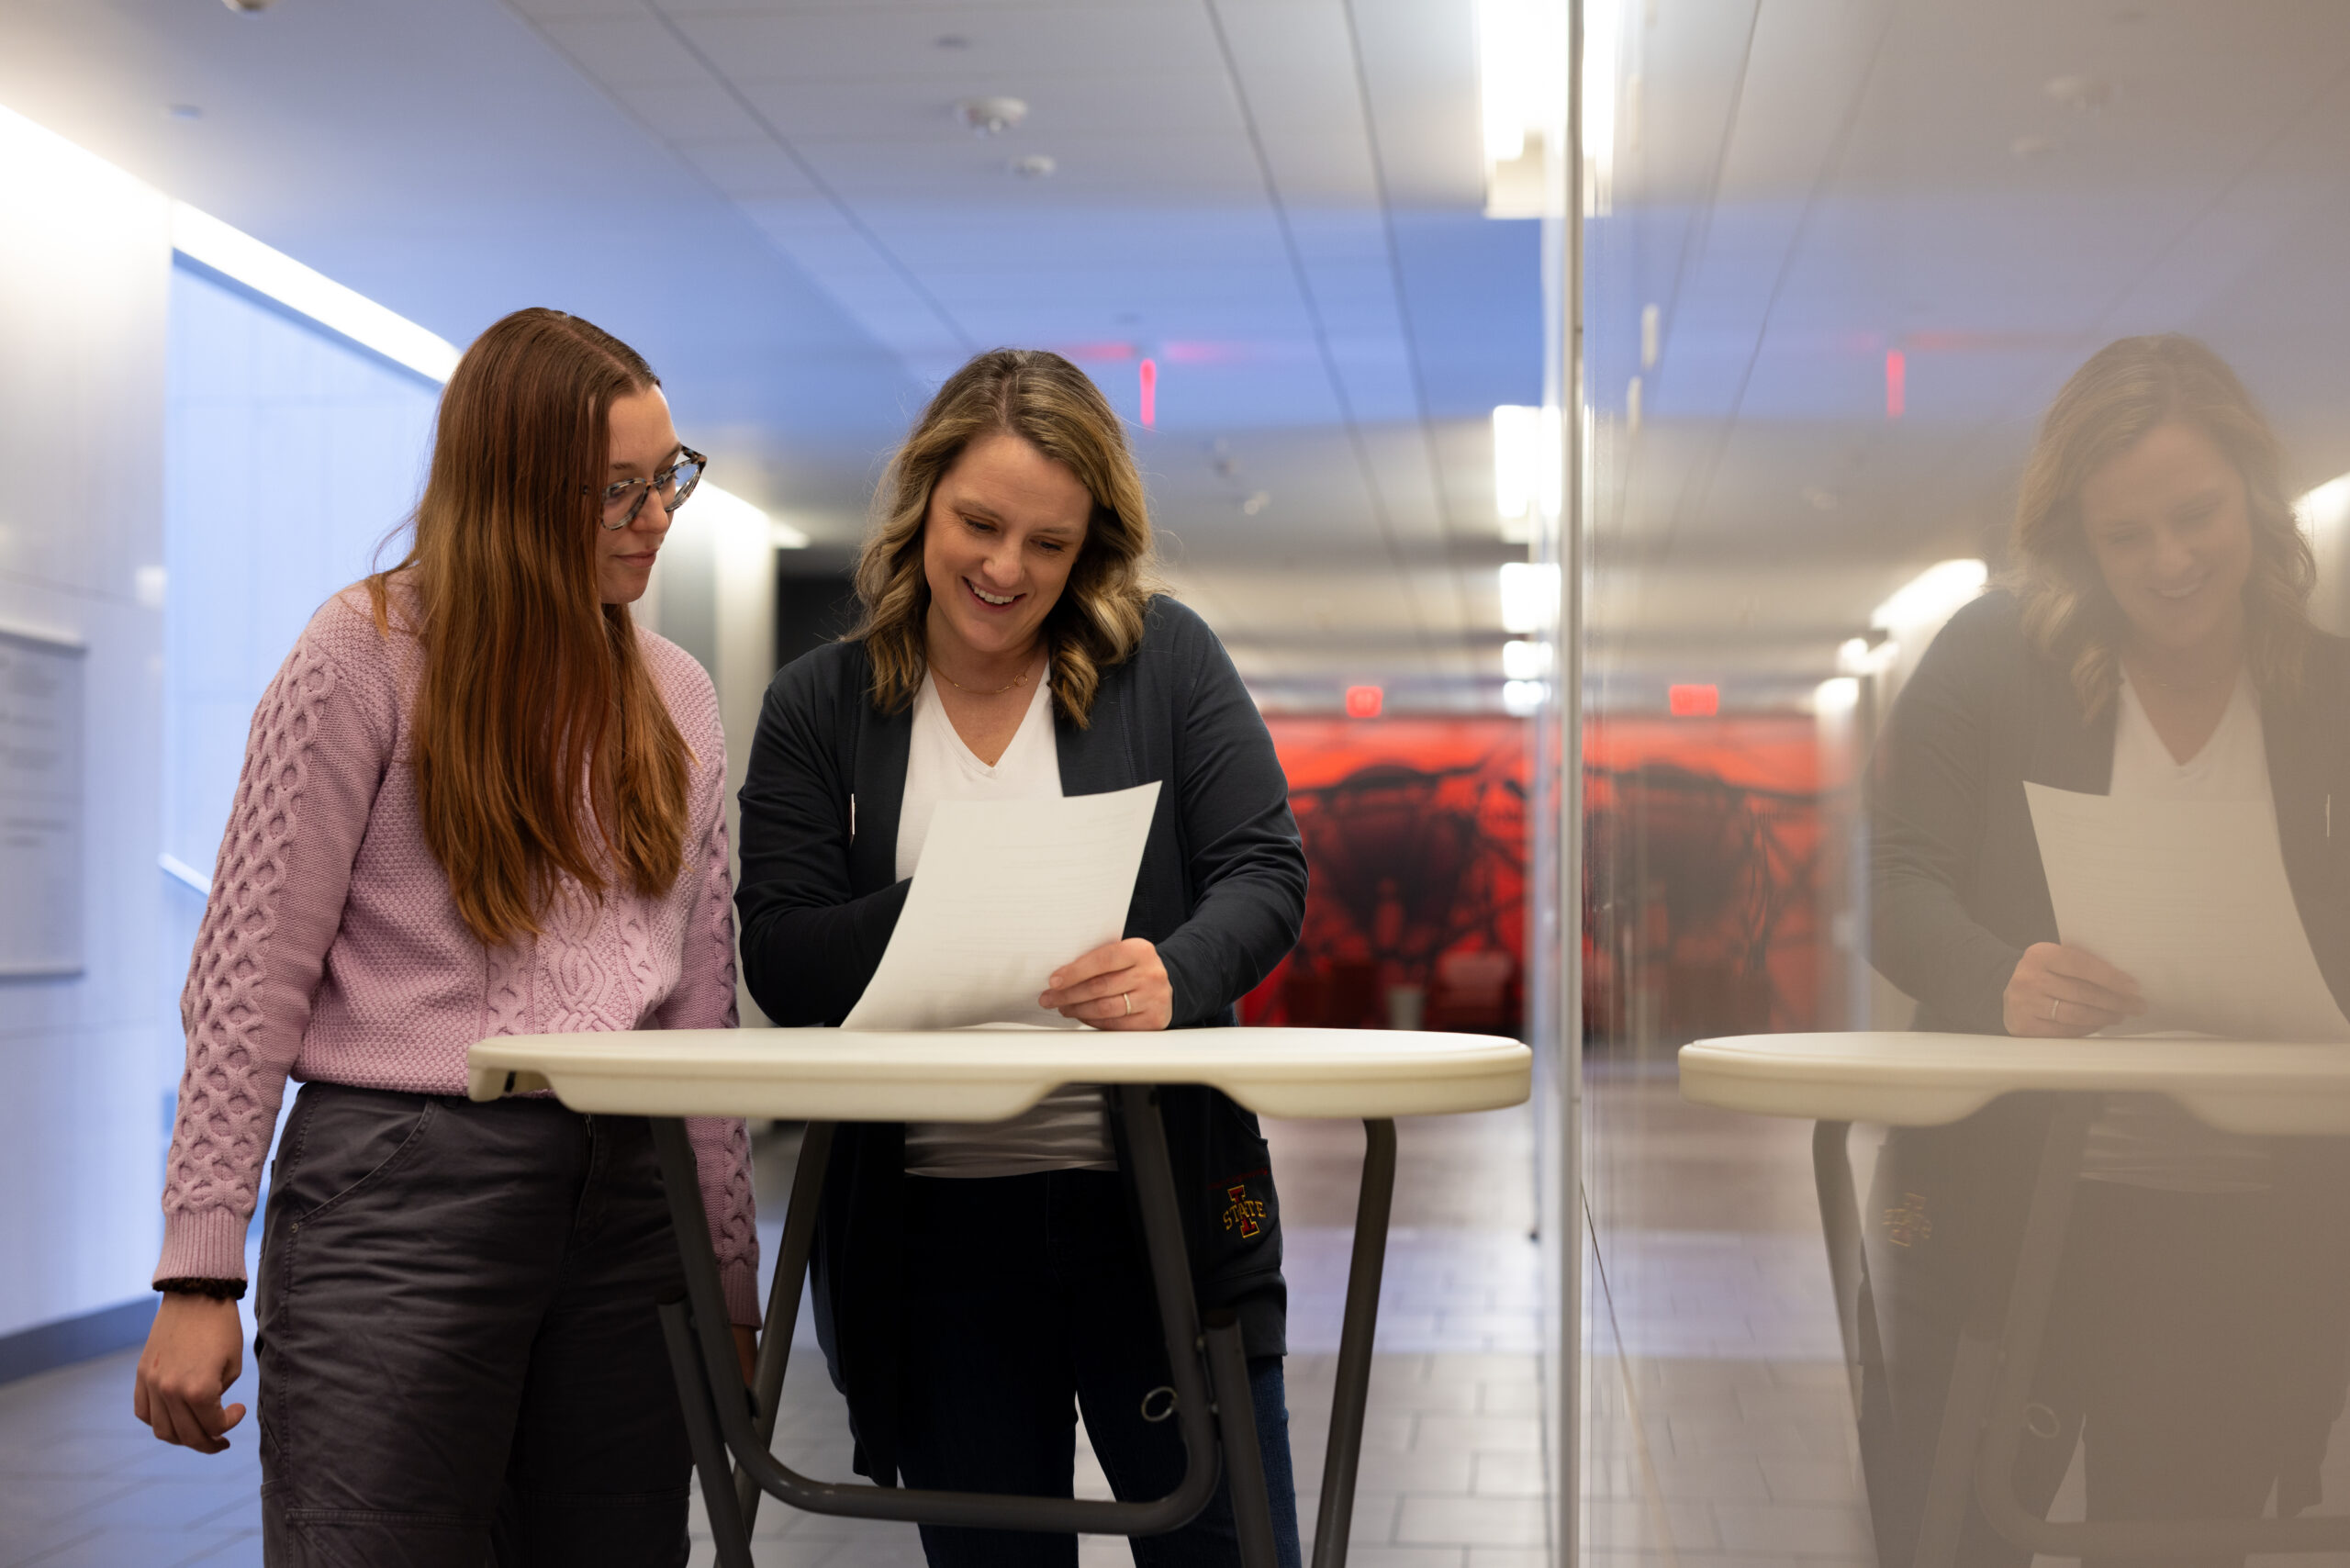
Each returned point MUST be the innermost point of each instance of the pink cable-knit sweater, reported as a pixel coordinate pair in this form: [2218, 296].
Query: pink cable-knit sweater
[331, 948]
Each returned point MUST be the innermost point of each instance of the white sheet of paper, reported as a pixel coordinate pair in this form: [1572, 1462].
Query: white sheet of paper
[1005, 892]
[2190, 898]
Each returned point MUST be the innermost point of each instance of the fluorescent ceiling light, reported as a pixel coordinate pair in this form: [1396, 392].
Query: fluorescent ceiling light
[1518, 456]
[1932, 596]
[1525, 661]
[1836, 697]
[1601, 31]
[1502, 70]
[1523, 698]
[1522, 92]
[236, 254]
[1530, 596]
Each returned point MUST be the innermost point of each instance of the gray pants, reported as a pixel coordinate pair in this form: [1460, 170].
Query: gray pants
[459, 1358]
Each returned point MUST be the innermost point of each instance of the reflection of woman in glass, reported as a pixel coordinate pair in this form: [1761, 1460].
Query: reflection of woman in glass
[2153, 642]
[977, 1284]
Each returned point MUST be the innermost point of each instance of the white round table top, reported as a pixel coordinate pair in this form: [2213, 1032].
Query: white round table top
[1923, 1079]
[988, 1074]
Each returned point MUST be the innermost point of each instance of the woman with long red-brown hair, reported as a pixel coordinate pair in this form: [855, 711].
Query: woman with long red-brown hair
[477, 801]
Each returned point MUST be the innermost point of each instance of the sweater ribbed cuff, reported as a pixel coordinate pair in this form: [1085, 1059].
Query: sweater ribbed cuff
[741, 1282]
[203, 1244]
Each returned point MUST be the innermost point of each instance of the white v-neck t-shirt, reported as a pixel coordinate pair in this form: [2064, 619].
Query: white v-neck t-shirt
[2146, 1140]
[1069, 1129]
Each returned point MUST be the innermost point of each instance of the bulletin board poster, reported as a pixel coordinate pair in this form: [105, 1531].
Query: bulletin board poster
[40, 807]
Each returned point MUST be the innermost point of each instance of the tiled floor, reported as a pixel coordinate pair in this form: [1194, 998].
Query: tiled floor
[1718, 1424]
[1452, 1476]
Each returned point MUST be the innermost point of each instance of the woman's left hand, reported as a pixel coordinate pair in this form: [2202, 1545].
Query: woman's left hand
[1120, 986]
[746, 1350]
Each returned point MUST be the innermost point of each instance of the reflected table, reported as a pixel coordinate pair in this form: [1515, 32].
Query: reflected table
[1926, 1079]
[827, 1076]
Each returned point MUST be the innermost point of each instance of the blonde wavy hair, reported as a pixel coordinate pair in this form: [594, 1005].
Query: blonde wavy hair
[1055, 408]
[2126, 389]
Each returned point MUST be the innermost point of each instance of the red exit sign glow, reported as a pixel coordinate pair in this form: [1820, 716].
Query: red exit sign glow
[1693, 702]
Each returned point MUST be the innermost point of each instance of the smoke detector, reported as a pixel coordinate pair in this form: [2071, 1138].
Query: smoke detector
[992, 117]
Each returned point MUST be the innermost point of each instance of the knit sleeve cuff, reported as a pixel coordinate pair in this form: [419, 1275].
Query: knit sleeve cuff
[203, 1244]
[740, 1281]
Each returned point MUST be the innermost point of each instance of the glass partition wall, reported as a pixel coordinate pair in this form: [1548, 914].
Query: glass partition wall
[1842, 261]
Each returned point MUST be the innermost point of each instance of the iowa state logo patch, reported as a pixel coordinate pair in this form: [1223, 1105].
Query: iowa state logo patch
[1242, 1212]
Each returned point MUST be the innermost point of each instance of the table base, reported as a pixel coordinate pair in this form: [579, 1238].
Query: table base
[1208, 1368]
[1990, 1387]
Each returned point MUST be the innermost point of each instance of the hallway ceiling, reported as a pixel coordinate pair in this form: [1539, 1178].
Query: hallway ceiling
[1279, 201]
[1993, 189]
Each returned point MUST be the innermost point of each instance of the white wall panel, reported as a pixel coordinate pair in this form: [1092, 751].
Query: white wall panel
[82, 310]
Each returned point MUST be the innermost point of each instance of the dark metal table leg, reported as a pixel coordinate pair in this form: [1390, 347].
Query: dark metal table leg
[1840, 1224]
[783, 1299]
[1244, 1463]
[727, 1524]
[1962, 1451]
[702, 1320]
[1351, 1390]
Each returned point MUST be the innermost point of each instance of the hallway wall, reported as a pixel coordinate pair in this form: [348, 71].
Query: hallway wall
[83, 299]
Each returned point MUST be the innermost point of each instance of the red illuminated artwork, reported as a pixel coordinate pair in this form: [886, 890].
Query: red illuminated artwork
[1414, 834]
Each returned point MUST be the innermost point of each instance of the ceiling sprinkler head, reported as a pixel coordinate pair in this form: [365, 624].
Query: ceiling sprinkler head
[992, 117]
[1035, 166]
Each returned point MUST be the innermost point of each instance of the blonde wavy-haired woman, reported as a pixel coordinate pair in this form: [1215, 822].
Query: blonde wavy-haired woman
[976, 1285]
[2152, 641]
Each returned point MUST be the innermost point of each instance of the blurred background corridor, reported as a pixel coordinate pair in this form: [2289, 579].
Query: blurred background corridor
[1576, 417]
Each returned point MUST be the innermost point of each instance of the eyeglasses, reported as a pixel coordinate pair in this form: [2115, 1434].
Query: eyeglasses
[673, 485]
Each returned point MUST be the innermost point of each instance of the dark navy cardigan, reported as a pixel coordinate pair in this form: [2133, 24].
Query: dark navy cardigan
[1221, 892]
[1957, 892]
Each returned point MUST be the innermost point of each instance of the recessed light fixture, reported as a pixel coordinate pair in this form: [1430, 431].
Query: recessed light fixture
[1525, 661]
[1518, 456]
[992, 117]
[1529, 595]
[1035, 166]
[1255, 502]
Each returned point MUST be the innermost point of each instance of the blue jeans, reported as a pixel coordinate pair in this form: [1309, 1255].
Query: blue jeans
[1027, 1298]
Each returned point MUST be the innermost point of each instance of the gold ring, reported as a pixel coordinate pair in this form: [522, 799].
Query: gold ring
[1130, 1002]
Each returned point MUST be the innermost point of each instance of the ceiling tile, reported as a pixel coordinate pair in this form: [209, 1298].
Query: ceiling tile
[626, 51]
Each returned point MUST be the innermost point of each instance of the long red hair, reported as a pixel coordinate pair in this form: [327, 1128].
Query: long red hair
[542, 748]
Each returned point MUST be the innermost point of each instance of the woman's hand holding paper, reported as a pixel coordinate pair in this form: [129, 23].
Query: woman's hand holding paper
[1121, 985]
[2063, 992]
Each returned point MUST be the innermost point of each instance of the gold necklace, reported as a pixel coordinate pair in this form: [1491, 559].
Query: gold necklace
[1020, 680]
